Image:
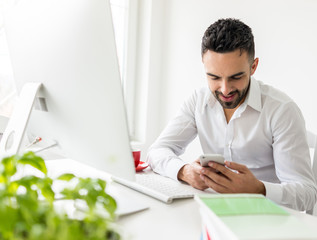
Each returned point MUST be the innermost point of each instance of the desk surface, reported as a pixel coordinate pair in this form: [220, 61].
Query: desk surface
[179, 220]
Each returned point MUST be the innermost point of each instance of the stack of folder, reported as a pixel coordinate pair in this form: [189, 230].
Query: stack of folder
[248, 216]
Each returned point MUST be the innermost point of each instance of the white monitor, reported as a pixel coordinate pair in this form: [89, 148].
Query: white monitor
[68, 47]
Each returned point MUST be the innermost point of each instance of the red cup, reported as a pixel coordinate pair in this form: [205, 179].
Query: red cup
[136, 157]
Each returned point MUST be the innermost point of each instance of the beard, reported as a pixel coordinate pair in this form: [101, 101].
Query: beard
[240, 96]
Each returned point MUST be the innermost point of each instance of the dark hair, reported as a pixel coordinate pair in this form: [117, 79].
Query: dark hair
[227, 35]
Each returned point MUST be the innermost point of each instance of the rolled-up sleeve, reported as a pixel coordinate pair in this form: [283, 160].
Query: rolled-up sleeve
[163, 155]
[292, 160]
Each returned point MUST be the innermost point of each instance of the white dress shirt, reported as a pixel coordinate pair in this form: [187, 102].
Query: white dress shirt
[266, 133]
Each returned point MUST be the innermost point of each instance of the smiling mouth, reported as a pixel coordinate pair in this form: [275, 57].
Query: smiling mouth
[227, 99]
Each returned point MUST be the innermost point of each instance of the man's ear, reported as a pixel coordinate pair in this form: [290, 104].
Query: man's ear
[254, 65]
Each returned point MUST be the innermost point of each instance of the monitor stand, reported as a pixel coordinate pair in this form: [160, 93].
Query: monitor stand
[13, 135]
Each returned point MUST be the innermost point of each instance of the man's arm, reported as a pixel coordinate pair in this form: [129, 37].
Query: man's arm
[292, 160]
[163, 155]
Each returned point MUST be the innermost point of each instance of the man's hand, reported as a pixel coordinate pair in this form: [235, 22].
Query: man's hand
[190, 173]
[227, 181]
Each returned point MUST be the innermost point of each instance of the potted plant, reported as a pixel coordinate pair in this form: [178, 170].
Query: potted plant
[28, 204]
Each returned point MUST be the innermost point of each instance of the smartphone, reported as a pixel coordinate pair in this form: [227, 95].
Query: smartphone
[206, 158]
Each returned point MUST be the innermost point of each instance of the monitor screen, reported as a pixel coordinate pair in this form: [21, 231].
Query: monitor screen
[69, 47]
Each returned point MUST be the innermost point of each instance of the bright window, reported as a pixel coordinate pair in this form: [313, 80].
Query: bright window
[119, 10]
[124, 14]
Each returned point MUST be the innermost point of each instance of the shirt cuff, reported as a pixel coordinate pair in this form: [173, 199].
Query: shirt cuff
[273, 191]
[173, 167]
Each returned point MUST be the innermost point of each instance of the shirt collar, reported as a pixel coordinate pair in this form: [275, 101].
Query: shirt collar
[253, 98]
[210, 99]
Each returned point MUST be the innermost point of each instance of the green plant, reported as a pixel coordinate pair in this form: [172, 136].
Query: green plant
[27, 208]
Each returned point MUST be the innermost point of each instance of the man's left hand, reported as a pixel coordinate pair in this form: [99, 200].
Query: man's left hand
[241, 180]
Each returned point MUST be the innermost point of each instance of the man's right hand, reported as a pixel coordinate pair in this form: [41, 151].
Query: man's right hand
[190, 173]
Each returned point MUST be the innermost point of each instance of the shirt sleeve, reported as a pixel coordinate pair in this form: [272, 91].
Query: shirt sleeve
[163, 155]
[291, 155]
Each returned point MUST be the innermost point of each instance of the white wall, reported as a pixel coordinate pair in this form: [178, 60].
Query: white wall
[286, 43]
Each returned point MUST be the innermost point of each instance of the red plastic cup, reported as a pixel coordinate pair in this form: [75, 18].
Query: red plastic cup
[136, 157]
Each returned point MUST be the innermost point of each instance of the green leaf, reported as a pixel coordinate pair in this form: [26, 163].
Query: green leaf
[28, 206]
[66, 177]
[28, 181]
[70, 194]
[12, 188]
[9, 164]
[102, 183]
[48, 193]
[43, 184]
[35, 161]
[110, 204]
[8, 219]
[2, 179]
[24, 217]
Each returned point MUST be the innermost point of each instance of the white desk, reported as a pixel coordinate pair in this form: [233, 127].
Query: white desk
[179, 220]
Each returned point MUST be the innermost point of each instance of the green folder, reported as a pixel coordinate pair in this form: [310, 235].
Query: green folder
[239, 204]
[249, 216]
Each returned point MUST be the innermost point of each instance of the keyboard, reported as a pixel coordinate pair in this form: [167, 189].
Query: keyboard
[160, 187]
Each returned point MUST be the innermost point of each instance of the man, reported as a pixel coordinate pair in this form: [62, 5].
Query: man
[259, 130]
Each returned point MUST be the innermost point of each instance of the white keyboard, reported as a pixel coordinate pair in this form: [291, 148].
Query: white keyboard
[159, 187]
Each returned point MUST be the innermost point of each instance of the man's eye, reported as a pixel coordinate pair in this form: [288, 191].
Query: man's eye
[236, 78]
[214, 78]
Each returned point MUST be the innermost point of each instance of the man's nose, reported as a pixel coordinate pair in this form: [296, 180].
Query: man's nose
[225, 88]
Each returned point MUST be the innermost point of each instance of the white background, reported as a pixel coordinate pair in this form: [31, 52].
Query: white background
[168, 63]
[286, 43]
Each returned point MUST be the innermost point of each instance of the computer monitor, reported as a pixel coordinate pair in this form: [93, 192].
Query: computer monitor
[63, 52]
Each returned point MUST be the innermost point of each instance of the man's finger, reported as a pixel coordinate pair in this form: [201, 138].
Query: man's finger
[197, 167]
[215, 177]
[222, 169]
[236, 166]
[213, 185]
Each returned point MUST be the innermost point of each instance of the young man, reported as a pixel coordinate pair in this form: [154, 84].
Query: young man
[259, 130]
